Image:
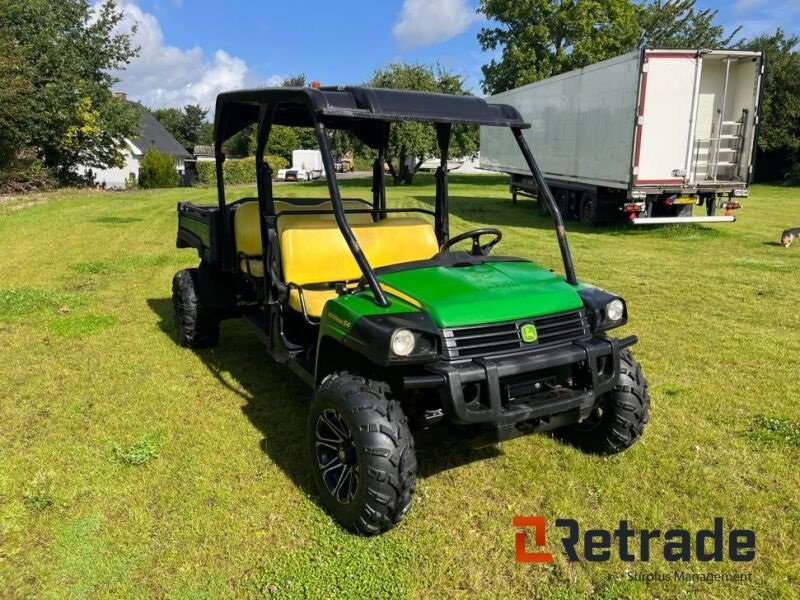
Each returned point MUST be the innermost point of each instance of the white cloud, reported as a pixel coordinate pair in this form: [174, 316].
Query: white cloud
[164, 75]
[425, 22]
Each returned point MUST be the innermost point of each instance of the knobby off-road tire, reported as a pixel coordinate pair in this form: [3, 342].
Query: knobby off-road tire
[622, 413]
[588, 208]
[356, 428]
[197, 326]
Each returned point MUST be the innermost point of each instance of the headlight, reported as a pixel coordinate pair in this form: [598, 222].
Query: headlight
[403, 342]
[615, 310]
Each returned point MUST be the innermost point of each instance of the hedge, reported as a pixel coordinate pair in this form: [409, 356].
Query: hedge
[236, 170]
[157, 170]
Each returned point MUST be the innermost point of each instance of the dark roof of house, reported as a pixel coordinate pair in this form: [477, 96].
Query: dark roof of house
[151, 134]
[351, 108]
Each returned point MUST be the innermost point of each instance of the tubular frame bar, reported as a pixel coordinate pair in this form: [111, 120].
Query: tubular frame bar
[442, 199]
[341, 219]
[544, 191]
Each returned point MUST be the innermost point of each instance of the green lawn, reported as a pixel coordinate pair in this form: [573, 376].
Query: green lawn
[130, 467]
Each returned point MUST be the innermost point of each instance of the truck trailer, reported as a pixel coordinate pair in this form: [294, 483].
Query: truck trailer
[306, 165]
[643, 137]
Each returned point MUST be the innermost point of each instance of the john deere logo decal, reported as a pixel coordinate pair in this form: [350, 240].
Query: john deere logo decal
[528, 333]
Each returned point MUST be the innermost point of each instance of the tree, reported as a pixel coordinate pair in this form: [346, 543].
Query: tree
[680, 24]
[419, 139]
[541, 38]
[282, 141]
[170, 119]
[15, 87]
[157, 170]
[68, 51]
[188, 125]
[779, 130]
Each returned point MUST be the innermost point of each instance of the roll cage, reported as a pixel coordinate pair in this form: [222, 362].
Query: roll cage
[368, 114]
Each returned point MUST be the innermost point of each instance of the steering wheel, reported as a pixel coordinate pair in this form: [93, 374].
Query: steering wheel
[478, 249]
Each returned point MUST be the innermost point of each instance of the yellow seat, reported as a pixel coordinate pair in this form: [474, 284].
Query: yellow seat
[314, 252]
[247, 229]
[315, 300]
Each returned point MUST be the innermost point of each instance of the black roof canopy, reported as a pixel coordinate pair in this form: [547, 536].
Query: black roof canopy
[351, 108]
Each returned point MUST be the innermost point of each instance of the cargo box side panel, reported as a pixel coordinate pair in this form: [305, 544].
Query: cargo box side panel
[199, 227]
[582, 125]
[663, 144]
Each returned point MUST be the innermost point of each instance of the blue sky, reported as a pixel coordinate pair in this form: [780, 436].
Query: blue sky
[193, 49]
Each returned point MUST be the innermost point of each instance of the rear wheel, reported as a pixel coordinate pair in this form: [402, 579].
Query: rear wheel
[588, 210]
[711, 206]
[620, 415]
[197, 326]
[562, 201]
[362, 453]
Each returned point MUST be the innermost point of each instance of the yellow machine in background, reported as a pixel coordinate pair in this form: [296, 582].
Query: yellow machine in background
[345, 164]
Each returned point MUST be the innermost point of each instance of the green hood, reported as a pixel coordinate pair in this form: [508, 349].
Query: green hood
[487, 293]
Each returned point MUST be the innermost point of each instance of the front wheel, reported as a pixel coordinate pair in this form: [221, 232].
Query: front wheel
[362, 453]
[618, 419]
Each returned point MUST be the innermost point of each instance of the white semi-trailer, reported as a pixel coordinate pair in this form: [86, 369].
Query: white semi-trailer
[306, 165]
[644, 136]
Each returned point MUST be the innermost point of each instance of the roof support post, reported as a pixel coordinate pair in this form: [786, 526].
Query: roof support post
[263, 169]
[442, 210]
[543, 191]
[229, 250]
[378, 186]
[266, 204]
[341, 219]
[378, 174]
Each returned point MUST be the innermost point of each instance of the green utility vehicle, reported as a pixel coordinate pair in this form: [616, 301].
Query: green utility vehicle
[403, 337]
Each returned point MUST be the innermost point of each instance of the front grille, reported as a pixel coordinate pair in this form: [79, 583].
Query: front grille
[505, 338]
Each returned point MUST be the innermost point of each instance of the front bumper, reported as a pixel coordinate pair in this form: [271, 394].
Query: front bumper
[493, 406]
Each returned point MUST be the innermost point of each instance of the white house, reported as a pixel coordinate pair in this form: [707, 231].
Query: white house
[150, 134]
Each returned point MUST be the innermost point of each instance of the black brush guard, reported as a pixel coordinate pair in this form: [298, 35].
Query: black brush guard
[450, 378]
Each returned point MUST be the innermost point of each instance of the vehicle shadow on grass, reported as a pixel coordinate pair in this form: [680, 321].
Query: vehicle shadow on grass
[277, 402]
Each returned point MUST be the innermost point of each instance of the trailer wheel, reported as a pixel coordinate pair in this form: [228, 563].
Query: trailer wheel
[542, 205]
[620, 416]
[197, 326]
[588, 210]
[362, 453]
[711, 205]
[561, 197]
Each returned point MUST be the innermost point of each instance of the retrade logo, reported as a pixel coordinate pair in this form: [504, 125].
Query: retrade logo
[629, 545]
[528, 333]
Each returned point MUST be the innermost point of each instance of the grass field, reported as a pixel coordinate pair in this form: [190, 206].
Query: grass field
[130, 467]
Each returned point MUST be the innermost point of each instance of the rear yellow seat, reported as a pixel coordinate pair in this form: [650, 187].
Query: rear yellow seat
[247, 229]
[314, 252]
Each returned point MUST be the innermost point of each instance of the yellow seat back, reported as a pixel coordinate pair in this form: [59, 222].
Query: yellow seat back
[247, 229]
[316, 251]
[286, 219]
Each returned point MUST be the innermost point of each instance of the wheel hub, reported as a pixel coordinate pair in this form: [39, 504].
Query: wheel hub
[336, 456]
